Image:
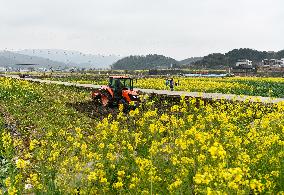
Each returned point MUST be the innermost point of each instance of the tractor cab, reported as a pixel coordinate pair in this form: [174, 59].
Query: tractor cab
[120, 83]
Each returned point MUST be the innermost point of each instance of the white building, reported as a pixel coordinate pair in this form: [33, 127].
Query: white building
[41, 69]
[244, 63]
[282, 62]
[24, 70]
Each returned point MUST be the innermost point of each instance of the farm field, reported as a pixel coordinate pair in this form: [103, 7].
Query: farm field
[53, 139]
[253, 86]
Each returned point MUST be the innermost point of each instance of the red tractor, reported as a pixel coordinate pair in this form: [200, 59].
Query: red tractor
[118, 91]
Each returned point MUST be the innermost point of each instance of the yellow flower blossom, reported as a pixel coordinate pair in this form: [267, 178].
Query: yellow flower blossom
[21, 164]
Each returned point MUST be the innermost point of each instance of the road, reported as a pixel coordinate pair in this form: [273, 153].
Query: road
[210, 96]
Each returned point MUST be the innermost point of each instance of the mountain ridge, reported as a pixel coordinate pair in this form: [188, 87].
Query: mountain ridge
[10, 59]
[72, 57]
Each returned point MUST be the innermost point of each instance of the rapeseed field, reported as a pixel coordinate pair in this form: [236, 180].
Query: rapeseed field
[185, 147]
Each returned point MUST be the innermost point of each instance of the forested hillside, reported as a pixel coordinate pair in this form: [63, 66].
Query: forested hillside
[230, 58]
[152, 61]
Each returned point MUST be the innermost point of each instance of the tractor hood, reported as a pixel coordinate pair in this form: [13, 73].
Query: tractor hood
[130, 95]
[130, 92]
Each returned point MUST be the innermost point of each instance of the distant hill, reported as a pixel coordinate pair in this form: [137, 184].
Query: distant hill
[5, 61]
[152, 61]
[230, 58]
[190, 61]
[73, 58]
[9, 59]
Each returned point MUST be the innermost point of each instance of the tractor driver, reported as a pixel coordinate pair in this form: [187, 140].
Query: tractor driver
[118, 88]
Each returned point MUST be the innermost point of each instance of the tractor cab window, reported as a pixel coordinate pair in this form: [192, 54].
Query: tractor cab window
[127, 83]
[112, 82]
[120, 83]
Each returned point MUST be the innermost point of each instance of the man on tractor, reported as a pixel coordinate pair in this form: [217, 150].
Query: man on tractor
[118, 88]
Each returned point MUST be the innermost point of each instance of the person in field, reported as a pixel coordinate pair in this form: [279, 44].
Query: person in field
[167, 82]
[171, 83]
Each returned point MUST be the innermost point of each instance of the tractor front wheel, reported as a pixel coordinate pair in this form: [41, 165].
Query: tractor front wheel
[125, 104]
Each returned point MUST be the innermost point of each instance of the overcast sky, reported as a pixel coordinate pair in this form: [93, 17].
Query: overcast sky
[176, 28]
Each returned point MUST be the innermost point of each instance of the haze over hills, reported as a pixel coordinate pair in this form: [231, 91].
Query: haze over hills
[73, 58]
[190, 61]
[64, 59]
[10, 59]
